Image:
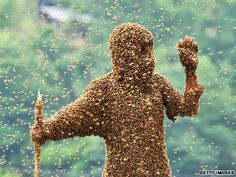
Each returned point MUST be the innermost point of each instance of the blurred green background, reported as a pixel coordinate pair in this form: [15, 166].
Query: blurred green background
[59, 46]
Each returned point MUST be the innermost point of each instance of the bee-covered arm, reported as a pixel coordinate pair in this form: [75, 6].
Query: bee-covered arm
[187, 104]
[83, 117]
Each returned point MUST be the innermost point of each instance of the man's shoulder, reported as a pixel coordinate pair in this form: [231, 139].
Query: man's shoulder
[163, 81]
[102, 80]
[100, 83]
[159, 78]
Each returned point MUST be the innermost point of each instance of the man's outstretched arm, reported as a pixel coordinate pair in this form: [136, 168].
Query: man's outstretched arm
[175, 103]
[82, 117]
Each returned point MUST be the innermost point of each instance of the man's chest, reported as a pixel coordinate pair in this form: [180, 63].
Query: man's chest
[133, 106]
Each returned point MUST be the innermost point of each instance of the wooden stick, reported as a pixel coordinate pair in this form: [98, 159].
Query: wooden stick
[38, 121]
[37, 150]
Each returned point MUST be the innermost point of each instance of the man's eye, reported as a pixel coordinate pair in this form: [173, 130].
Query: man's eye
[143, 50]
[151, 43]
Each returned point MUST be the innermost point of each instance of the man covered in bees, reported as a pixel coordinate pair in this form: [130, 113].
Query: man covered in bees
[126, 106]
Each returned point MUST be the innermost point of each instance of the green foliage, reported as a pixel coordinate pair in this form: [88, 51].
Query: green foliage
[61, 59]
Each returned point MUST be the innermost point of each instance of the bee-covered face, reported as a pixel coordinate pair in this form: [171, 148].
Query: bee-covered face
[131, 49]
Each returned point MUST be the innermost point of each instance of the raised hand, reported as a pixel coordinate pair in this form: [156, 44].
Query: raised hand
[188, 52]
[188, 57]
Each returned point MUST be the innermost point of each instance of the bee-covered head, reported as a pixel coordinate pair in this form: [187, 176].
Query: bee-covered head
[131, 49]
